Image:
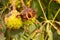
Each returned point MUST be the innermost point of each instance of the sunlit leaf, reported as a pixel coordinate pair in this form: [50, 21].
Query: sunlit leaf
[32, 27]
[49, 32]
[58, 31]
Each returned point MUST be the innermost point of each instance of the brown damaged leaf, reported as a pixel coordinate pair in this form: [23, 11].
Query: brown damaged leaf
[2, 36]
[0, 26]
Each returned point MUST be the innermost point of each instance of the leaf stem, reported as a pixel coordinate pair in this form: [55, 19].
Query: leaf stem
[13, 3]
[8, 34]
[29, 3]
[23, 4]
[42, 10]
[56, 14]
[54, 26]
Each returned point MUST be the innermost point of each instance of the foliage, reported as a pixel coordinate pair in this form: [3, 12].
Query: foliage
[40, 20]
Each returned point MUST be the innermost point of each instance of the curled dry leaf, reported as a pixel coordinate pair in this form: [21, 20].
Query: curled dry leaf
[28, 13]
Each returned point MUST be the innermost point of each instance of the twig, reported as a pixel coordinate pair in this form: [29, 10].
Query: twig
[50, 2]
[54, 26]
[29, 3]
[4, 8]
[42, 9]
[46, 36]
[57, 22]
[56, 14]
[23, 4]
[13, 3]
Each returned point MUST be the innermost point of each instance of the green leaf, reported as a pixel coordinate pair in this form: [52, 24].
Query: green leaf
[49, 32]
[35, 5]
[32, 27]
[37, 37]
[41, 33]
[3, 26]
[53, 8]
[58, 31]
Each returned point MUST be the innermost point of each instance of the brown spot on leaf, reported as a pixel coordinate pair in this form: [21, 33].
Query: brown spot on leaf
[0, 26]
